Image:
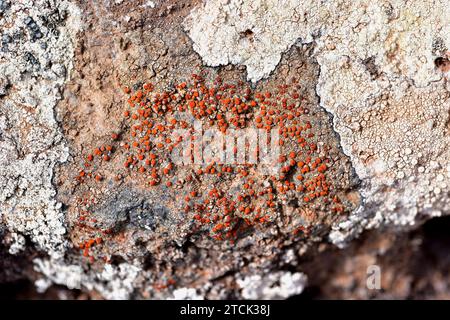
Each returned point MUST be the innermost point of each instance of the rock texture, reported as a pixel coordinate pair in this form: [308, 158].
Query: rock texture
[371, 80]
[378, 78]
[34, 63]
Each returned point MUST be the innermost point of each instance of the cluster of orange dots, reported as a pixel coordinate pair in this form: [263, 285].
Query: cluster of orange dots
[152, 117]
[88, 224]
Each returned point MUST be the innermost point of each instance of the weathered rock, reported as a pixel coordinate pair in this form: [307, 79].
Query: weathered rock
[373, 79]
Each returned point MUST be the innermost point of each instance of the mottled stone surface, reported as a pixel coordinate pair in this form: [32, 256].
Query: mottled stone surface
[378, 77]
[373, 77]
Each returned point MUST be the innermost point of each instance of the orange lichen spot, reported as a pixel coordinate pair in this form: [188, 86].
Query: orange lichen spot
[146, 140]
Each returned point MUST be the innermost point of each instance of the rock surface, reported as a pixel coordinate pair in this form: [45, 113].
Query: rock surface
[363, 88]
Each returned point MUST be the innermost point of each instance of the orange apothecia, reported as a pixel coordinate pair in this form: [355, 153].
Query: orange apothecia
[142, 152]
